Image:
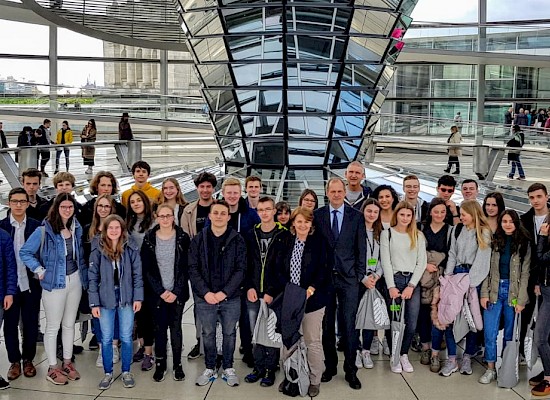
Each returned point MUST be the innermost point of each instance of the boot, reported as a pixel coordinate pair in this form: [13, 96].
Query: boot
[160, 370]
[67, 165]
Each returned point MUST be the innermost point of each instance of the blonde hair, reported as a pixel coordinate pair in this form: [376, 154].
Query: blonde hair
[472, 207]
[96, 220]
[231, 182]
[180, 198]
[412, 230]
[304, 212]
[106, 244]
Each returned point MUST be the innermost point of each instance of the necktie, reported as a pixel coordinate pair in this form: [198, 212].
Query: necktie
[335, 230]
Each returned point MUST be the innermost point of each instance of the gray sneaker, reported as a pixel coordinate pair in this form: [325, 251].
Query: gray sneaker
[435, 364]
[128, 380]
[385, 348]
[425, 357]
[230, 377]
[466, 365]
[209, 375]
[375, 346]
[489, 376]
[148, 362]
[449, 368]
[106, 382]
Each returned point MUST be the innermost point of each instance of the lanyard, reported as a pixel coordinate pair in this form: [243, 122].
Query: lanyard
[371, 247]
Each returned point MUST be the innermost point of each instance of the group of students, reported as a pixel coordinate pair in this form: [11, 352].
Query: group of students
[130, 263]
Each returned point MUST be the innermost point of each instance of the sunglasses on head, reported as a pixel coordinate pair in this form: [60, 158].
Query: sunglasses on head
[445, 190]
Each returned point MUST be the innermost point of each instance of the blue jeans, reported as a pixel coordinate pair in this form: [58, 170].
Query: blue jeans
[437, 338]
[264, 357]
[412, 308]
[491, 321]
[228, 312]
[513, 170]
[96, 329]
[126, 321]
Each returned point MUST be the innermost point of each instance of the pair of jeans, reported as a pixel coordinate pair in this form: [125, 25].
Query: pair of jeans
[437, 339]
[346, 298]
[228, 312]
[521, 172]
[126, 324]
[25, 308]
[424, 324]
[96, 329]
[58, 152]
[264, 357]
[412, 308]
[168, 316]
[491, 321]
[542, 329]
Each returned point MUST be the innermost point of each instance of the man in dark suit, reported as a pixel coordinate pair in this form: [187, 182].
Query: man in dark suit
[344, 229]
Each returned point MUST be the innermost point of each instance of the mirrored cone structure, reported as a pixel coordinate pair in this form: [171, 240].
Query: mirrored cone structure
[294, 84]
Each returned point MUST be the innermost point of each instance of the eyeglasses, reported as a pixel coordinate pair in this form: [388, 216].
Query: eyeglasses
[444, 190]
[66, 208]
[18, 202]
[261, 210]
[105, 206]
[166, 217]
[308, 201]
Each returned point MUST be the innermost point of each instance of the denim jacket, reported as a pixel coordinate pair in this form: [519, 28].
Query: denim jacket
[101, 292]
[8, 266]
[52, 259]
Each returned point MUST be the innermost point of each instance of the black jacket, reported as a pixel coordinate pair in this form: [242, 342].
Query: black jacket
[3, 139]
[528, 221]
[233, 260]
[43, 139]
[359, 202]
[315, 269]
[152, 280]
[259, 276]
[36, 212]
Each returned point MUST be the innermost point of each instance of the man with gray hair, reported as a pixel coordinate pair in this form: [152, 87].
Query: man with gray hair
[356, 193]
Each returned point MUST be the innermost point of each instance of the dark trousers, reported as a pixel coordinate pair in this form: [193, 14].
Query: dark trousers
[145, 328]
[26, 305]
[453, 160]
[346, 296]
[245, 333]
[264, 357]
[44, 158]
[527, 312]
[424, 325]
[168, 316]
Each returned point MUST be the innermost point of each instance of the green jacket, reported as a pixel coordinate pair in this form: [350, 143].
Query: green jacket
[519, 277]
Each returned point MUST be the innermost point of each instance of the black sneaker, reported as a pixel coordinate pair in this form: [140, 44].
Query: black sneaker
[40, 337]
[160, 371]
[179, 375]
[77, 349]
[4, 384]
[195, 352]
[416, 346]
[537, 379]
[268, 379]
[139, 355]
[254, 376]
[248, 359]
[340, 345]
[93, 345]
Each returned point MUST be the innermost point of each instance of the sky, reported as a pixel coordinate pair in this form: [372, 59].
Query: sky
[33, 39]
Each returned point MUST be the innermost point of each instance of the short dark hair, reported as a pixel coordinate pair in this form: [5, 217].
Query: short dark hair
[470, 181]
[221, 203]
[436, 201]
[142, 165]
[265, 199]
[498, 199]
[46, 121]
[446, 180]
[283, 206]
[31, 173]
[18, 190]
[537, 186]
[206, 177]
[252, 178]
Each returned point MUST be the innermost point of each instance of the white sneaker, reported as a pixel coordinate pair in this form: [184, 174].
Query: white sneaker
[367, 360]
[230, 377]
[209, 375]
[358, 360]
[385, 347]
[99, 361]
[116, 354]
[375, 346]
[406, 364]
[89, 171]
[397, 369]
[489, 376]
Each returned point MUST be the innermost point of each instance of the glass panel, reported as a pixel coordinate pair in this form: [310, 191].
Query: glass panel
[232, 149]
[270, 153]
[349, 126]
[367, 49]
[202, 22]
[343, 150]
[32, 71]
[256, 47]
[309, 126]
[260, 100]
[31, 38]
[372, 22]
[215, 75]
[306, 152]
[211, 49]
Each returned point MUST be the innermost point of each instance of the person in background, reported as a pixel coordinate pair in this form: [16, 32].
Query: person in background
[356, 193]
[216, 284]
[469, 189]
[26, 301]
[493, 206]
[504, 291]
[411, 188]
[42, 138]
[64, 136]
[445, 189]
[283, 213]
[458, 121]
[517, 141]
[165, 271]
[388, 199]
[193, 220]
[3, 140]
[89, 135]
[30, 180]
[403, 257]
[520, 118]
[124, 128]
[508, 119]
[62, 280]
[103, 183]
[116, 290]
[253, 188]
[141, 171]
[308, 199]
[453, 150]
[24, 139]
[138, 221]
[171, 195]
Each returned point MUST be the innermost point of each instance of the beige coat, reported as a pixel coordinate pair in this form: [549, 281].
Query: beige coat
[455, 151]
[89, 136]
[189, 219]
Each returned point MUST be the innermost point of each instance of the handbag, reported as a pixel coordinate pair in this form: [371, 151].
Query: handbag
[508, 373]
[530, 349]
[397, 331]
[372, 312]
[463, 322]
[264, 329]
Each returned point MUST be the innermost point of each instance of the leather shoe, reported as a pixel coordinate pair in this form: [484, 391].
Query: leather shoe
[327, 376]
[353, 381]
[14, 372]
[313, 390]
[28, 369]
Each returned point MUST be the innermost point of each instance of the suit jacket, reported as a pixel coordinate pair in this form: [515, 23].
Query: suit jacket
[347, 254]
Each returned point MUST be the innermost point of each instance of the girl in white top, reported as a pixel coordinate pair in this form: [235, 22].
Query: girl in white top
[403, 256]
